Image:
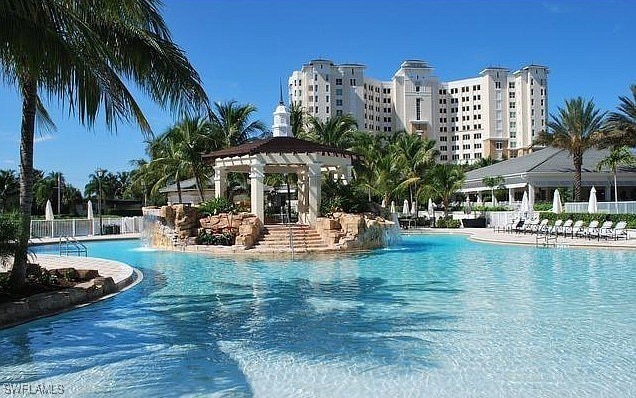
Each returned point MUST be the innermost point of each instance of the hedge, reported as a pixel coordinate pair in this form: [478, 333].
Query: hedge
[629, 218]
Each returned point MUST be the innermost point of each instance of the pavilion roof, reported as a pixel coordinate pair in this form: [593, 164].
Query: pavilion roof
[278, 145]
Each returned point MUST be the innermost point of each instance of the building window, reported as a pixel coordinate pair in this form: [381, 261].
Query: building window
[466, 137]
[339, 82]
[511, 94]
[327, 109]
[466, 146]
[418, 109]
[339, 113]
[466, 156]
[497, 84]
[477, 146]
[443, 148]
[498, 145]
[338, 102]
[443, 157]
[512, 105]
[352, 82]
[455, 148]
[478, 155]
[455, 157]
[511, 85]
[477, 136]
[444, 138]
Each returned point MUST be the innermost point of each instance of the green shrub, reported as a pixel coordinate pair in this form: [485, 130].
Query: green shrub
[447, 222]
[217, 206]
[629, 218]
[9, 233]
[543, 206]
[215, 238]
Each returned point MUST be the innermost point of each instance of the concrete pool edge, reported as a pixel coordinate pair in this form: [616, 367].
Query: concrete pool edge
[115, 277]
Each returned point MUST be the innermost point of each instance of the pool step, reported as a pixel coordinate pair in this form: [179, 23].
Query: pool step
[305, 238]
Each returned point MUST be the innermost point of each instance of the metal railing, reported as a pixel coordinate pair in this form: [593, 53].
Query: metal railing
[73, 227]
[603, 207]
[69, 245]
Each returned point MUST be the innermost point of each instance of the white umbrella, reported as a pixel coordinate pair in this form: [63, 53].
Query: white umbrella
[414, 209]
[89, 212]
[479, 199]
[494, 201]
[592, 206]
[557, 206]
[525, 206]
[48, 212]
[405, 207]
[430, 206]
[383, 203]
[392, 206]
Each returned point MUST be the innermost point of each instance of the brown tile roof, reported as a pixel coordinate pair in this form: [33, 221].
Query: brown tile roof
[278, 145]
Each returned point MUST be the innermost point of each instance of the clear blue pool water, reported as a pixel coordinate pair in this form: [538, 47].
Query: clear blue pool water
[436, 316]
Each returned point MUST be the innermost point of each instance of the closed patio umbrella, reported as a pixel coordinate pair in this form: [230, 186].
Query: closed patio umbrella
[592, 205]
[383, 203]
[525, 206]
[89, 212]
[405, 208]
[392, 206]
[557, 206]
[430, 207]
[414, 209]
[48, 211]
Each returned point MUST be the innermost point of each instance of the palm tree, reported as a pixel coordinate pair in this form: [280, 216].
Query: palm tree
[231, 124]
[413, 155]
[443, 181]
[622, 124]
[336, 132]
[620, 156]
[81, 52]
[297, 119]
[493, 182]
[576, 128]
[9, 189]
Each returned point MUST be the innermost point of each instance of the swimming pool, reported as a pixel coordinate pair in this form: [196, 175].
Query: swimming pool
[436, 316]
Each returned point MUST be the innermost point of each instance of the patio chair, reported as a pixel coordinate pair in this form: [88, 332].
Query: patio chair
[554, 229]
[578, 229]
[616, 233]
[519, 227]
[513, 225]
[565, 227]
[530, 226]
[540, 228]
[591, 229]
[604, 229]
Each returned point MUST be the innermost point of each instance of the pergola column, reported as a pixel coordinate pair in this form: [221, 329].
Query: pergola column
[257, 176]
[511, 196]
[302, 188]
[314, 191]
[220, 181]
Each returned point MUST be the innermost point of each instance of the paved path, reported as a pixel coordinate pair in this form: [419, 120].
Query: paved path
[490, 236]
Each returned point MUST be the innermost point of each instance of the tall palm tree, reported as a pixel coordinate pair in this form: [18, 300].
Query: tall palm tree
[81, 52]
[443, 181]
[231, 124]
[622, 124]
[413, 155]
[620, 156]
[576, 128]
[336, 132]
[297, 119]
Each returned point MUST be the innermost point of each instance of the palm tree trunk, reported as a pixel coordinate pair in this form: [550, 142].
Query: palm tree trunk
[615, 192]
[578, 162]
[29, 103]
[179, 190]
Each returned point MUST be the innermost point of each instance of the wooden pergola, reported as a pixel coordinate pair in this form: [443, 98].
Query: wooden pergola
[308, 160]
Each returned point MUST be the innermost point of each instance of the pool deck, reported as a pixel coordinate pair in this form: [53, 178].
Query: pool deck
[489, 235]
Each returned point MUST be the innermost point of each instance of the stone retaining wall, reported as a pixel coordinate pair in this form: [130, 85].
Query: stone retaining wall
[355, 231]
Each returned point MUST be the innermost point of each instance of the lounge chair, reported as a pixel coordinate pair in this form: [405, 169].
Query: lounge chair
[615, 233]
[530, 226]
[565, 227]
[513, 225]
[519, 227]
[605, 229]
[591, 230]
[555, 228]
[541, 228]
[578, 229]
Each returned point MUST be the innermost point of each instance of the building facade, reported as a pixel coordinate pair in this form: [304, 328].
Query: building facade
[496, 114]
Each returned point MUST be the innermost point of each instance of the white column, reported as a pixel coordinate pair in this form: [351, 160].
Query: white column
[511, 196]
[531, 197]
[257, 175]
[220, 181]
[314, 191]
[302, 190]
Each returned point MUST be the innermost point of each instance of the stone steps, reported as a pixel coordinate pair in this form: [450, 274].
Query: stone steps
[276, 237]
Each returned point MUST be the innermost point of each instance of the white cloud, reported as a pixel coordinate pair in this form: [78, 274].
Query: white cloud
[43, 138]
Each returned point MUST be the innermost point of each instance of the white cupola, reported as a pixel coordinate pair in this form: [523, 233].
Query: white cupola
[281, 127]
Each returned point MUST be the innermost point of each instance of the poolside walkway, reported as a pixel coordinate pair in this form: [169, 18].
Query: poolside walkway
[491, 236]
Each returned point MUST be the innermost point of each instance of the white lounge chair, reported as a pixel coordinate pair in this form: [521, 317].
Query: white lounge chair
[616, 233]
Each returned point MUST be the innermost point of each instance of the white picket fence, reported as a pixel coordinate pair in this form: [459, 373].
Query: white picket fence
[85, 227]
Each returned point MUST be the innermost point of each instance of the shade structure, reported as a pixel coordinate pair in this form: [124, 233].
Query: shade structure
[89, 211]
[430, 207]
[392, 207]
[525, 206]
[383, 203]
[592, 205]
[48, 211]
[557, 206]
[405, 207]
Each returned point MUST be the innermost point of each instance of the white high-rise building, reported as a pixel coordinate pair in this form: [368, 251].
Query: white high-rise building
[496, 114]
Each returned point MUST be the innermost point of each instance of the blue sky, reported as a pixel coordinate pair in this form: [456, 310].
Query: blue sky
[243, 48]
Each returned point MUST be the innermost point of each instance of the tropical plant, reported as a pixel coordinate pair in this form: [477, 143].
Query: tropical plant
[9, 234]
[336, 132]
[217, 206]
[81, 52]
[443, 181]
[576, 128]
[620, 156]
[621, 125]
[413, 156]
[9, 190]
[231, 124]
[297, 119]
[493, 182]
